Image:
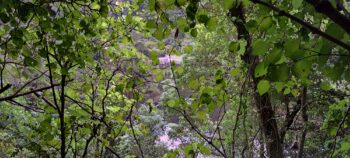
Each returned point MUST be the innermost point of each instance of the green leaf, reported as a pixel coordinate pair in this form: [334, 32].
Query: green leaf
[188, 49]
[191, 10]
[347, 75]
[114, 108]
[302, 69]
[4, 18]
[228, 4]
[158, 34]
[260, 47]
[334, 73]
[345, 146]
[204, 150]
[29, 61]
[130, 156]
[251, 25]
[235, 72]
[295, 92]
[286, 91]
[159, 77]
[181, 2]
[151, 24]
[291, 46]
[260, 70]
[233, 47]
[326, 86]
[172, 103]
[64, 71]
[201, 114]
[104, 9]
[205, 98]
[161, 46]
[189, 151]
[194, 32]
[282, 60]
[182, 24]
[154, 57]
[202, 18]
[279, 72]
[263, 87]
[169, 3]
[297, 55]
[152, 5]
[242, 47]
[336, 31]
[139, 2]
[179, 70]
[95, 5]
[274, 56]
[279, 86]
[211, 24]
[193, 84]
[170, 155]
[266, 23]
[296, 3]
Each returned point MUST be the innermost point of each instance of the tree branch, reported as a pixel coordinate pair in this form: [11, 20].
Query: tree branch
[305, 24]
[25, 107]
[133, 131]
[3, 89]
[338, 130]
[325, 7]
[186, 117]
[26, 93]
[109, 148]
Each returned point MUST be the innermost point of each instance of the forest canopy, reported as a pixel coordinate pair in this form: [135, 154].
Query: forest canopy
[174, 78]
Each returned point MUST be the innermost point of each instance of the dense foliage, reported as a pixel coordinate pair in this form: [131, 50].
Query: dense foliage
[174, 78]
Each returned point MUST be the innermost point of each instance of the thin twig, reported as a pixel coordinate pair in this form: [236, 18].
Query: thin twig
[26, 93]
[133, 131]
[338, 130]
[305, 24]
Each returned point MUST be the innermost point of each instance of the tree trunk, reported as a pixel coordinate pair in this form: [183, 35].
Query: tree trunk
[62, 123]
[305, 119]
[262, 103]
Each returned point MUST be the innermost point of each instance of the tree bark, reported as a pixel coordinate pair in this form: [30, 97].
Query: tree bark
[305, 119]
[326, 8]
[306, 24]
[62, 123]
[262, 103]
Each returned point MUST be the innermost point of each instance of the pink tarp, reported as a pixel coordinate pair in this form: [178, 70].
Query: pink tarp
[166, 59]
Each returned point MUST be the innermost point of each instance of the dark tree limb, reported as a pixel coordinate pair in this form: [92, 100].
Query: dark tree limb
[6, 87]
[305, 120]
[28, 82]
[305, 24]
[3, 68]
[27, 107]
[61, 114]
[27, 93]
[184, 114]
[133, 131]
[262, 102]
[110, 149]
[106, 91]
[290, 116]
[325, 7]
[238, 113]
[92, 135]
[51, 79]
[202, 135]
[338, 131]
[45, 100]
[217, 129]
